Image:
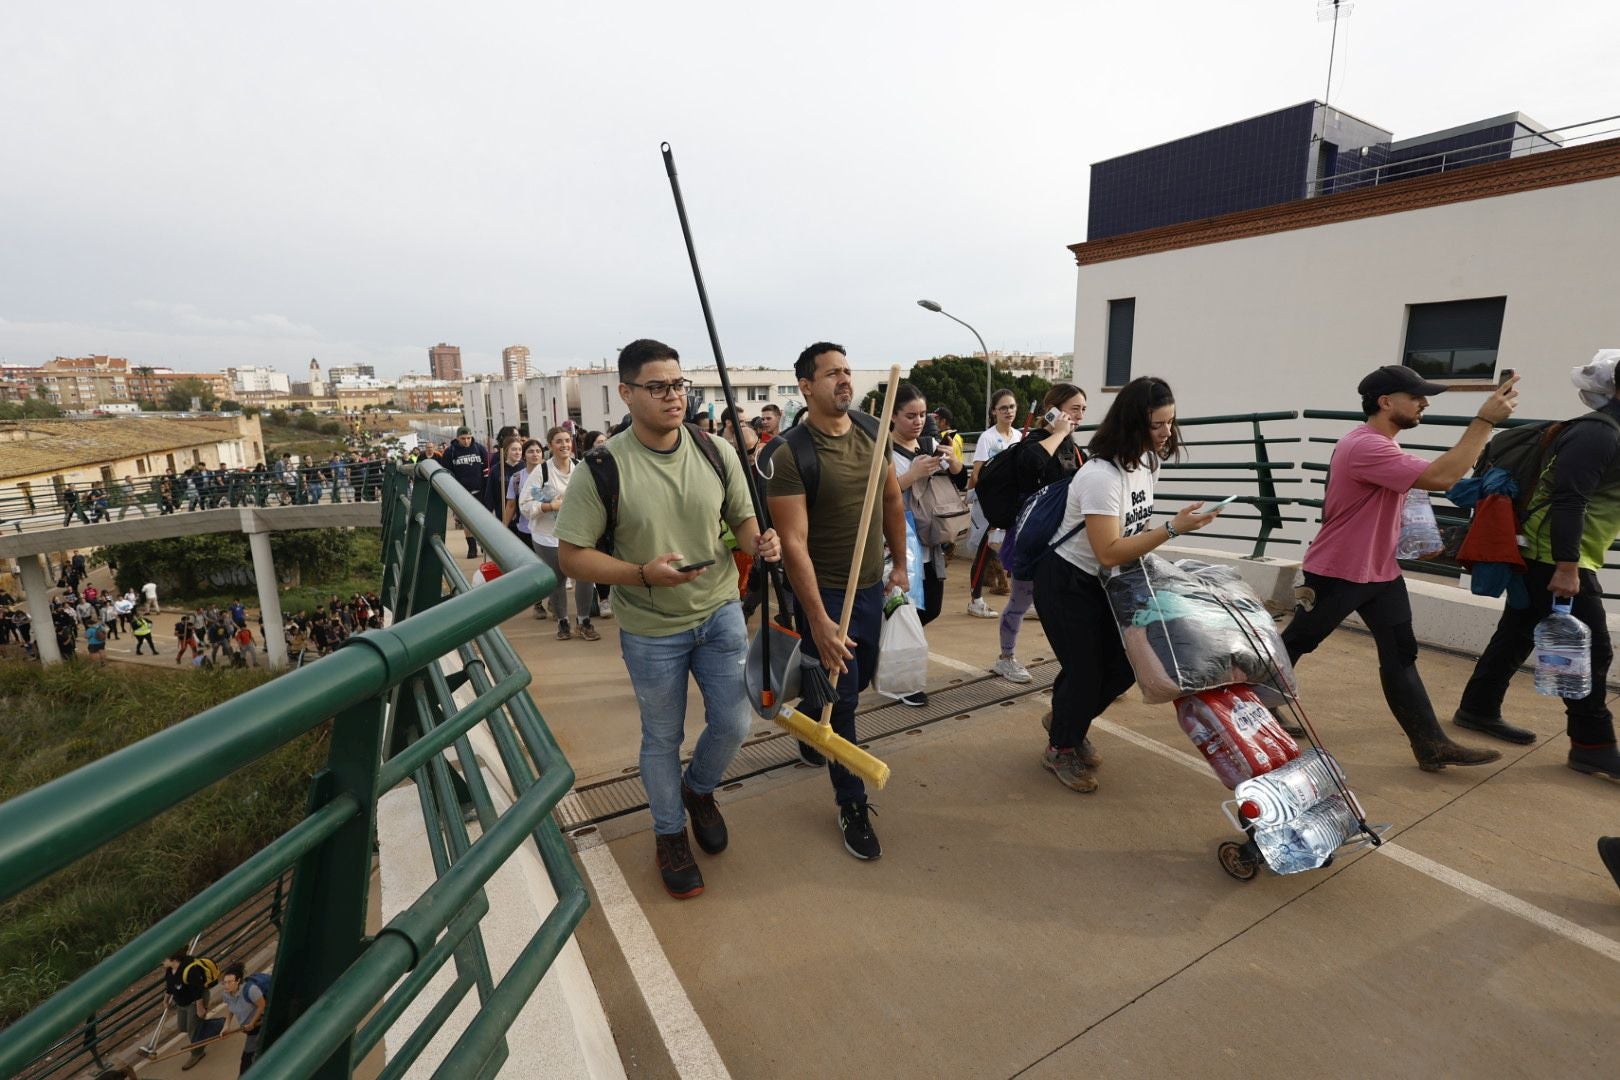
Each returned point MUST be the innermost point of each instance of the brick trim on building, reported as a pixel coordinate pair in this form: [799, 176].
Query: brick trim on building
[1552, 168]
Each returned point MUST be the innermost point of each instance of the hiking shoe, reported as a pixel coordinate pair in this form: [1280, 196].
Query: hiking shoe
[196, 1056]
[563, 633]
[540, 611]
[1495, 727]
[855, 821]
[1434, 756]
[1603, 761]
[811, 756]
[682, 878]
[1010, 669]
[1071, 772]
[916, 701]
[981, 610]
[1609, 852]
[588, 632]
[1088, 754]
[708, 827]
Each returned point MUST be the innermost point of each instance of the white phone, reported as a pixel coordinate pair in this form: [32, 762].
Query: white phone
[1220, 505]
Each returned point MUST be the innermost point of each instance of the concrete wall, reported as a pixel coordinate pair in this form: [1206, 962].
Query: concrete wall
[1293, 320]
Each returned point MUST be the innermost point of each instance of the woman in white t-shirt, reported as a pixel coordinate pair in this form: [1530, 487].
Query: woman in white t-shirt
[1108, 523]
[543, 492]
[1003, 412]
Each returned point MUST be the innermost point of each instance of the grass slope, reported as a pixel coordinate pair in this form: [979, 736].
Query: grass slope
[68, 715]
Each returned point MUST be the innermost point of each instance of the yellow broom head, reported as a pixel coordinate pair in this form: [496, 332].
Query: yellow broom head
[823, 738]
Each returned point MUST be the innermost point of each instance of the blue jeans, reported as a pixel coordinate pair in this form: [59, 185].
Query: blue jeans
[713, 653]
[866, 627]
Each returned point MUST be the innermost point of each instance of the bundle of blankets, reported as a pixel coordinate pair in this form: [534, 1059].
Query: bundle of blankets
[1190, 626]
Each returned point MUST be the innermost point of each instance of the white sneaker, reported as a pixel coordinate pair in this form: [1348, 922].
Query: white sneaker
[605, 608]
[1010, 669]
[981, 610]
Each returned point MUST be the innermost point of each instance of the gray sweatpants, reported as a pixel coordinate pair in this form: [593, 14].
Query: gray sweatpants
[584, 591]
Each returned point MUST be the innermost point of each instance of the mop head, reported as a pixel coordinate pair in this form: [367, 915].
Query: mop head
[822, 737]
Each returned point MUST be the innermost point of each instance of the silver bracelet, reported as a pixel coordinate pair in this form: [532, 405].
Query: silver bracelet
[1171, 529]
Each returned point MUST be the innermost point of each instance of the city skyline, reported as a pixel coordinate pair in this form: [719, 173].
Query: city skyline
[820, 208]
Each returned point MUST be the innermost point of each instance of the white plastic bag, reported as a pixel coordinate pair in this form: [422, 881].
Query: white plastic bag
[902, 666]
[1420, 533]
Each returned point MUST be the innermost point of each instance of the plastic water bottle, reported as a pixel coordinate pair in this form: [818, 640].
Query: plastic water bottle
[1420, 535]
[1283, 794]
[1563, 654]
[1306, 842]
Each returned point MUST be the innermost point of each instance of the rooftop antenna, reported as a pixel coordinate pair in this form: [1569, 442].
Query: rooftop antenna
[1332, 10]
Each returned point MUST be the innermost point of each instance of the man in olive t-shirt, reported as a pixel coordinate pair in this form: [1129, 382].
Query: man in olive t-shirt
[818, 544]
[672, 508]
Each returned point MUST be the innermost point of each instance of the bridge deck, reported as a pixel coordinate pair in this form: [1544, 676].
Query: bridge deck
[1013, 927]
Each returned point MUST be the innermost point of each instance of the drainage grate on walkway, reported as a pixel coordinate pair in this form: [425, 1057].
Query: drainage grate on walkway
[622, 795]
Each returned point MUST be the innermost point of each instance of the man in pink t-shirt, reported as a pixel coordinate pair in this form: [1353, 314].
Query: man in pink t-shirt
[1351, 566]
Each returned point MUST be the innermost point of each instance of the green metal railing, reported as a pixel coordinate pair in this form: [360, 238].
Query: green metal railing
[394, 717]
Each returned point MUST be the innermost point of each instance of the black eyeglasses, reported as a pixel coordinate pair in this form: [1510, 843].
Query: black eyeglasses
[678, 388]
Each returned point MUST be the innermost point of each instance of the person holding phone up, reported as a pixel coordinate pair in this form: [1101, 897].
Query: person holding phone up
[673, 622]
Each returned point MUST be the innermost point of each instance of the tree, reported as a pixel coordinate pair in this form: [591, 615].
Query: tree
[32, 409]
[178, 398]
[227, 405]
[957, 382]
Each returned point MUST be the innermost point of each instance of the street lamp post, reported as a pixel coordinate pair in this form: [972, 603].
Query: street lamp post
[989, 369]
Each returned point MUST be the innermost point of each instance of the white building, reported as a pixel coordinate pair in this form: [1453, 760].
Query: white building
[1510, 264]
[490, 404]
[475, 409]
[549, 401]
[1506, 264]
[258, 380]
[600, 406]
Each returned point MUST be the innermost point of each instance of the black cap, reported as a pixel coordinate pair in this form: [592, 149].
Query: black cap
[460, 431]
[1398, 379]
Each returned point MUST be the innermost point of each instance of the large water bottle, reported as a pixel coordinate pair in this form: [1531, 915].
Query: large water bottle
[1563, 654]
[1307, 841]
[1282, 794]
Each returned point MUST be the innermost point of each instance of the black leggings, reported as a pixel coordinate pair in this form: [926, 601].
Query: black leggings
[1079, 625]
[933, 592]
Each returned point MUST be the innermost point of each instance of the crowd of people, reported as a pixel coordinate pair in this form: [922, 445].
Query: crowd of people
[352, 477]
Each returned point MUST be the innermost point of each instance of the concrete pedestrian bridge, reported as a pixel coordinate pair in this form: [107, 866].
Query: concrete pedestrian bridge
[30, 545]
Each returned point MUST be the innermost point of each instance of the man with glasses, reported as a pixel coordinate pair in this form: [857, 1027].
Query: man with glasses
[674, 596]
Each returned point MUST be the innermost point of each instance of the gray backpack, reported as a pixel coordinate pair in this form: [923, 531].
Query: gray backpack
[941, 513]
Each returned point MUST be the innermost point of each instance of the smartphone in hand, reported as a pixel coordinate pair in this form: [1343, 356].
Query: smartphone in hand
[689, 567]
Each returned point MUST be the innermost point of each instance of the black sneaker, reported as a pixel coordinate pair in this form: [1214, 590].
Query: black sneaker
[682, 878]
[811, 756]
[856, 822]
[472, 549]
[916, 701]
[708, 827]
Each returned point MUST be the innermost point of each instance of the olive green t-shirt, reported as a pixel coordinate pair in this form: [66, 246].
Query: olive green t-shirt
[667, 502]
[844, 461]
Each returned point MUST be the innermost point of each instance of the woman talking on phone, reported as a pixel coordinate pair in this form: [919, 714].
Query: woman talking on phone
[1108, 522]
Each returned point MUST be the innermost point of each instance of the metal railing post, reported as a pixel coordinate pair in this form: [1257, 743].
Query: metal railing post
[325, 929]
[1270, 514]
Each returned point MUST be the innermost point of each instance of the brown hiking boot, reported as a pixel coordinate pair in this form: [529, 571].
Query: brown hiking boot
[1434, 756]
[1085, 751]
[1071, 772]
[588, 632]
[682, 878]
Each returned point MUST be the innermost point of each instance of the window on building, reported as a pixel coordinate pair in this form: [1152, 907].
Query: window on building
[787, 391]
[1454, 340]
[1121, 332]
[140, 466]
[606, 408]
[759, 393]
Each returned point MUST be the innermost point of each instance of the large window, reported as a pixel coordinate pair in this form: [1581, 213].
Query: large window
[1454, 340]
[1121, 331]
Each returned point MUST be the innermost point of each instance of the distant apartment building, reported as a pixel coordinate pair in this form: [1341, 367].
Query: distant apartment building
[515, 362]
[345, 373]
[75, 384]
[258, 380]
[152, 384]
[444, 362]
[415, 393]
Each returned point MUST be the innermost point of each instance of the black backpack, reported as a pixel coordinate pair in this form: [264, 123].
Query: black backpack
[1525, 451]
[999, 497]
[605, 472]
[801, 441]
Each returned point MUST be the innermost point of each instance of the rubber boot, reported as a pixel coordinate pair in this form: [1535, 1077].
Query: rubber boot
[1409, 701]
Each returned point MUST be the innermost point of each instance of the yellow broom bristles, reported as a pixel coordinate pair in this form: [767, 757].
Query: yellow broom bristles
[823, 738]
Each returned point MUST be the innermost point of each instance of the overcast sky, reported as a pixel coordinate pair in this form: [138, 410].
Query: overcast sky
[212, 184]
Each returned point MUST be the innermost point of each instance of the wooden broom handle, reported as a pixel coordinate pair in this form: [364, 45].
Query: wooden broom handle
[874, 476]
